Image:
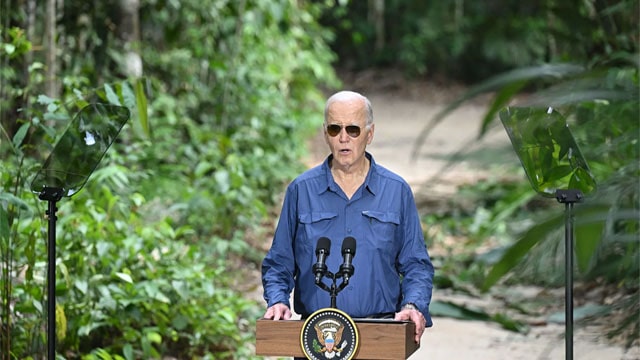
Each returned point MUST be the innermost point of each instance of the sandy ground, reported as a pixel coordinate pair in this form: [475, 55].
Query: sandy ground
[399, 117]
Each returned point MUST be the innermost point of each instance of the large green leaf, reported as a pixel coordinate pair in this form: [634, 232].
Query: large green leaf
[502, 98]
[453, 310]
[588, 232]
[509, 83]
[4, 228]
[515, 252]
[141, 102]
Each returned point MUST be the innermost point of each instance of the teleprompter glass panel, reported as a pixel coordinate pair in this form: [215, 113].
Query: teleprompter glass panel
[547, 150]
[80, 149]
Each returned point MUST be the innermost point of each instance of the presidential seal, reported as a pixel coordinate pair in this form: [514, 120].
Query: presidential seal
[329, 334]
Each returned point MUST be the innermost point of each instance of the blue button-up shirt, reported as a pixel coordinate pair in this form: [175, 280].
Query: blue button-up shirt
[391, 264]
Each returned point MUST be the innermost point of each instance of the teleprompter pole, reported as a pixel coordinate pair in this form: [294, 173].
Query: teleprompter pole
[52, 195]
[568, 197]
[51, 283]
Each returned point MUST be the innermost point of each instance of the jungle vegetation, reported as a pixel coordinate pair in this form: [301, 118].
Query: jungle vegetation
[223, 96]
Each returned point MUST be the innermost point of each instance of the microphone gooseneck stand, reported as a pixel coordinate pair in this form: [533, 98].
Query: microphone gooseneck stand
[346, 269]
[333, 289]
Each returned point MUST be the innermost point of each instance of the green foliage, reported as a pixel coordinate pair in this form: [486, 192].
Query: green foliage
[449, 309]
[611, 153]
[152, 293]
[474, 40]
[16, 43]
[218, 127]
[249, 101]
[601, 106]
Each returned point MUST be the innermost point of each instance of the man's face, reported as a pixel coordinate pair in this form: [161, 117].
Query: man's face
[347, 149]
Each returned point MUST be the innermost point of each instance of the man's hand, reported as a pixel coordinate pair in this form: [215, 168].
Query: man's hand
[415, 316]
[279, 311]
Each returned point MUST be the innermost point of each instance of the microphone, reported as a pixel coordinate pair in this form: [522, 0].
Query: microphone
[348, 253]
[322, 252]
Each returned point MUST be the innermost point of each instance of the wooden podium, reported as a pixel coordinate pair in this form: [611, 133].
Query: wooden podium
[379, 339]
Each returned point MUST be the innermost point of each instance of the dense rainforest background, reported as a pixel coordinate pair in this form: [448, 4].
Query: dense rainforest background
[223, 97]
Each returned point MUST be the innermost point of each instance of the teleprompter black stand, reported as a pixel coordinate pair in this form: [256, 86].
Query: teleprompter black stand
[52, 195]
[569, 198]
[64, 173]
[555, 168]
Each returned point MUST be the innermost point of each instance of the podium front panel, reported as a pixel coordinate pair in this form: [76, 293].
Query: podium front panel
[379, 339]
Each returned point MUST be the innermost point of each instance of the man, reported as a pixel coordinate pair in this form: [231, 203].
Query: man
[349, 195]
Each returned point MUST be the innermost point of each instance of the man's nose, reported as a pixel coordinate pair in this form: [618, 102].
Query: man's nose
[344, 137]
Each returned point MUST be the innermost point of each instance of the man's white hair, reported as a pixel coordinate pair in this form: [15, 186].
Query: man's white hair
[347, 95]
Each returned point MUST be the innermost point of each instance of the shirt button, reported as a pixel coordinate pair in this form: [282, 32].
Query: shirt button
[349, 231]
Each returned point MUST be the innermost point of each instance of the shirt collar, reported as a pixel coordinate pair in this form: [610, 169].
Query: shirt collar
[370, 182]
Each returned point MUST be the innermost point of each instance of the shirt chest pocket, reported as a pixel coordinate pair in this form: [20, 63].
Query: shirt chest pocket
[382, 225]
[316, 224]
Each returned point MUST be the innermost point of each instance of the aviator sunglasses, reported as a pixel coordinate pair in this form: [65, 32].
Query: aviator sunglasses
[352, 130]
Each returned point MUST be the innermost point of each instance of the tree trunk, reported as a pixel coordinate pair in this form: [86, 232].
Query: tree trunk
[51, 48]
[129, 32]
[376, 15]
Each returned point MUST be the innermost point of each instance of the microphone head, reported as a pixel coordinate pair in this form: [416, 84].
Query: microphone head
[323, 244]
[349, 245]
